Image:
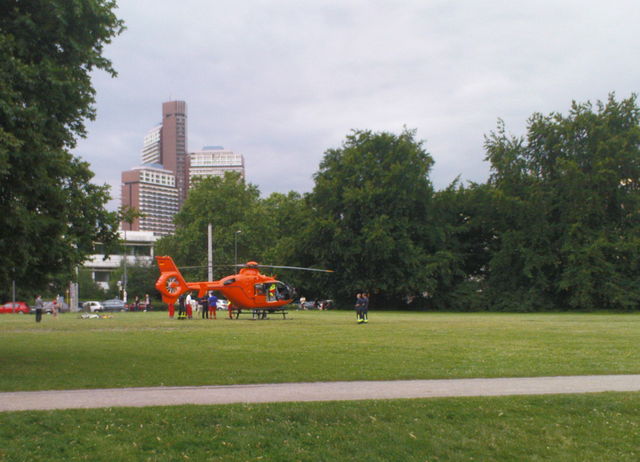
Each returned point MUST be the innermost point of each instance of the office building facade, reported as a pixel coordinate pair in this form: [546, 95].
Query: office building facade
[152, 146]
[138, 249]
[151, 189]
[214, 161]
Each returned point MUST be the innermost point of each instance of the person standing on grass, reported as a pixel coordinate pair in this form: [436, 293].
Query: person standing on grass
[54, 308]
[213, 305]
[181, 306]
[358, 307]
[39, 305]
[194, 307]
[365, 307]
[204, 301]
[189, 305]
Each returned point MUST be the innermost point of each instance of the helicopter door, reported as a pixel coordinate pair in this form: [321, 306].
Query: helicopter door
[274, 291]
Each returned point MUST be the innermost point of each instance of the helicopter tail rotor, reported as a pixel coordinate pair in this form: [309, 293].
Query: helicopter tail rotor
[170, 283]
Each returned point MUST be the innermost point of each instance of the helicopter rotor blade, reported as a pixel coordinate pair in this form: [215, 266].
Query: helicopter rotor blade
[290, 267]
[244, 265]
[206, 266]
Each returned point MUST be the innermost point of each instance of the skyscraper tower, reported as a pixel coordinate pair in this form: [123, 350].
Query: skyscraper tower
[159, 186]
[173, 144]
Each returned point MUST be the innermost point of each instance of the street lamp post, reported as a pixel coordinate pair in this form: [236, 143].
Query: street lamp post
[124, 290]
[236, 246]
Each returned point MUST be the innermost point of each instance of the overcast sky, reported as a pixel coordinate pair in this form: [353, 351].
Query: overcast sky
[282, 81]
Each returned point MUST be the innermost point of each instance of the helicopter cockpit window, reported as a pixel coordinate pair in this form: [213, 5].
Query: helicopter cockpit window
[284, 292]
[259, 289]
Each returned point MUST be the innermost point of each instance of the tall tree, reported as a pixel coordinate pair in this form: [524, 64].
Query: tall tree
[52, 213]
[230, 205]
[569, 202]
[371, 199]
[462, 250]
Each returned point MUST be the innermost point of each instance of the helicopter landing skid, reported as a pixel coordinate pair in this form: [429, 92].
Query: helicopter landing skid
[263, 313]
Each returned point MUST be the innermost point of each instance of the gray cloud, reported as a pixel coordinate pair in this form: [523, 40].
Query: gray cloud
[282, 81]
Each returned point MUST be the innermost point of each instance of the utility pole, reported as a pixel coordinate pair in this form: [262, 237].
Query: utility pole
[210, 253]
[124, 290]
[13, 289]
[236, 247]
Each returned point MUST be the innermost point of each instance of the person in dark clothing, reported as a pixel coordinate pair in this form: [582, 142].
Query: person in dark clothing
[204, 301]
[359, 306]
[365, 308]
[181, 310]
[39, 306]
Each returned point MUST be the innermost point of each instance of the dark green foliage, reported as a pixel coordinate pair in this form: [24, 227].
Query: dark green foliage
[141, 280]
[51, 214]
[230, 205]
[567, 210]
[88, 288]
[372, 223]
[271, 230]
[463, 245]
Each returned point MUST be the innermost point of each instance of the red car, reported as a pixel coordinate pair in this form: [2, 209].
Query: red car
[19, 307]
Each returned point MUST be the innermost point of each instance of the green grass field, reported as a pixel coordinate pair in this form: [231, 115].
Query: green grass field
[147, 349]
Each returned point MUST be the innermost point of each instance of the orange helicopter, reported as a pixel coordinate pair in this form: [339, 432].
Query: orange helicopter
[247, 290]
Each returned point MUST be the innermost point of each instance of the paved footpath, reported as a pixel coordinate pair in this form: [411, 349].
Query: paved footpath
[317, 391]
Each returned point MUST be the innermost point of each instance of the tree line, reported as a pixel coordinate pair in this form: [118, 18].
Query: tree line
[555, 227]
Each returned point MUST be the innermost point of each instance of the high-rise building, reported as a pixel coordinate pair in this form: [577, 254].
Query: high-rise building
[152, 191]
[214, 161]
[159, 187]
[173, 140]
[152, 148]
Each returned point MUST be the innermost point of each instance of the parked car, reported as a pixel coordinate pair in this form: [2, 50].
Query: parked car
[18, 307]
[312, 305]
[92, 306]
[326, 304]
[222, 304]
[114, 304]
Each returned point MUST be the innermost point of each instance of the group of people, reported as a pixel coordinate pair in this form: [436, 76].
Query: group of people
[362, 308]
[188, 304]
[139, 305]
[56, 305]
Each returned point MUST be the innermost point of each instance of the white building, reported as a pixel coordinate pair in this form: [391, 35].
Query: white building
[152, 147]
[214, 161]
[138, 248]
